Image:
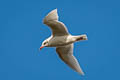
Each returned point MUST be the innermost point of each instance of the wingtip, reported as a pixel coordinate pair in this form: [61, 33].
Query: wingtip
[55, 9]
[51, 16]
[81, 73]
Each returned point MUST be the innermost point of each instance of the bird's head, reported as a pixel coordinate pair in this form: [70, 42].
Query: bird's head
[44, 44]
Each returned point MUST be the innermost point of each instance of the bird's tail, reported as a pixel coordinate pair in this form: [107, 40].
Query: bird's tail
[81, 37]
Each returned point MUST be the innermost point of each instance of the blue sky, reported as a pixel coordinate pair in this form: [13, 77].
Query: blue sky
[22, 32]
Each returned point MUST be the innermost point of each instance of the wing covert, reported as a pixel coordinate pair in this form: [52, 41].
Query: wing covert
[57, 27]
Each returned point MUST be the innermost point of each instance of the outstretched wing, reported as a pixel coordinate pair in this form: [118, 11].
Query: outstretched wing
[57, 27]
[66, 54]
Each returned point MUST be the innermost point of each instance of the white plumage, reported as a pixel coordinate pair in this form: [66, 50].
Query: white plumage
[62, 40]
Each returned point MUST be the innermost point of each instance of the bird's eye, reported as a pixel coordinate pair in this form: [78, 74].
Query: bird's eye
[45, 43]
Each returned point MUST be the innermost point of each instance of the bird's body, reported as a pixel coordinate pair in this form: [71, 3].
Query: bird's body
[62, 40]
[58, 41]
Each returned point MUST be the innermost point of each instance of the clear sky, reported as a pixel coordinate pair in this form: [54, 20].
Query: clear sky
[22, 32]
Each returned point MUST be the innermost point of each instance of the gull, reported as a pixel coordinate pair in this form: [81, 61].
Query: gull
[62, 40]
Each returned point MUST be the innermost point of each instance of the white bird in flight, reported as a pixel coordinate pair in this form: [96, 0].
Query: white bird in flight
[62, 40]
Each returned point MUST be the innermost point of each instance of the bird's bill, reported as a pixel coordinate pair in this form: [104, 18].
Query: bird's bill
[41, 47]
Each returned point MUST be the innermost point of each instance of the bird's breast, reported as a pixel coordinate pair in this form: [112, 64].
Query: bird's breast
[58, 41]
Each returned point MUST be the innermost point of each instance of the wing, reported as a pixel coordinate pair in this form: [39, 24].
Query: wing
[66, 54]
[57, 27]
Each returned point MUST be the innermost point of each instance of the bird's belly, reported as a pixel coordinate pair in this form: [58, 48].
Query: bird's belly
[58, 41]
